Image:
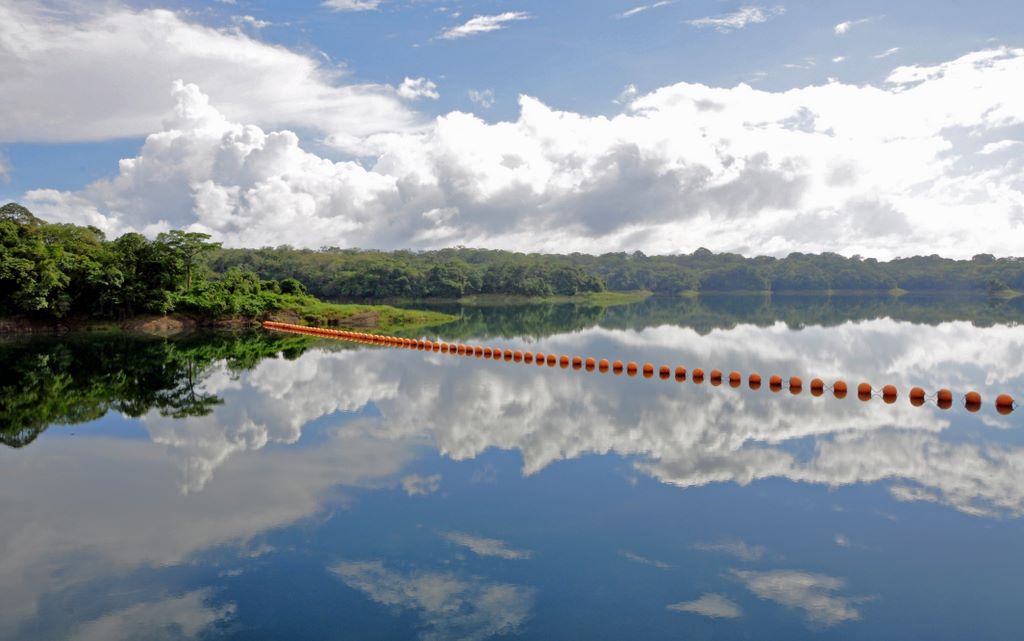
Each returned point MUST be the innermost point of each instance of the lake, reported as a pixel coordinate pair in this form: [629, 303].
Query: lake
[274, 486]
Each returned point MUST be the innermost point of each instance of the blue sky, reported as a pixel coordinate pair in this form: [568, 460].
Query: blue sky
[88, 79]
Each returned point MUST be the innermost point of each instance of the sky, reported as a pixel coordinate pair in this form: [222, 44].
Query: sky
[882, 129]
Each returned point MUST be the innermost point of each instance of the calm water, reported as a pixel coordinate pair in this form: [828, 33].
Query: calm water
[276, 487]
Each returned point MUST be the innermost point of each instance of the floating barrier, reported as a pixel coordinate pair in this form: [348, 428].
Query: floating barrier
[972, 401]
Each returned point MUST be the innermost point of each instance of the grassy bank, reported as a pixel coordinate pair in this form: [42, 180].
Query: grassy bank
[375, 318]
[592, 299]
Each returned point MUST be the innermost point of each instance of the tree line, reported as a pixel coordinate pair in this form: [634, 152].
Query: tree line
[58, 270]
[353, 274]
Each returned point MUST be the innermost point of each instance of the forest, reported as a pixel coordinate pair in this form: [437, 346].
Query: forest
[54, 271]
[353, 274]
[60, 270]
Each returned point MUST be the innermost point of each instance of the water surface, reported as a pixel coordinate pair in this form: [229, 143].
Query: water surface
[263, 486]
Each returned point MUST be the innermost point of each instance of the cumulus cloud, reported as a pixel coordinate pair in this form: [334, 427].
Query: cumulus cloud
[416, 88]
[853, 169]
[416, 485]
[486, 547]
[352, 5]
[815, 594]
[843, 28]
[738, 549]
[5, 167]
[738, 19]
[102, 72]
[887, 53]
[645, 7]
[710, 605]
[483, 24]
[484, 98]
[449, 606]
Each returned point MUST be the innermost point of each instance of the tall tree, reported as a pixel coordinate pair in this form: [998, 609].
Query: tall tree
[187, 247]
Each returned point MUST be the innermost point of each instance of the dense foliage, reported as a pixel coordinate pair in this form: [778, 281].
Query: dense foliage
[59, 270]
[349, 274]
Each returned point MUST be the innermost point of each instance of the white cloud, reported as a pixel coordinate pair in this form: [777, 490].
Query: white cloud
[711, 605]
[1001, 145]
[416, 88]
[815, 594]
[251, 21]
[842, 541]
[738, 19]
[839, 59]
[416, 485]
[484, 98]
[186, 614]
[887, 53]
[843, 28]
[486, 547]
[104, 74]
[352, 5]
[855, 169]
[449, 606]
[483, 24]
[632, 556]
[738, 549]
[645, 7]
[5, 167]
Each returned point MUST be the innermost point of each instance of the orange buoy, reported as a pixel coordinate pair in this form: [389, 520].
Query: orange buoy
[563, 361]
[508, 355]
[864, 391]
[715, 376]
[444, 348]
[775, 382]
[680, 374]
[972, 401]
[944, 398]
[617, 367]
[664, 372]
[735, 378]
[577, 362]
[517, 356]
[817, 386]
[487, 352]
[590, 363]
[603, 365]
[539, 357]
[460, 349]
[1004, 404]
[889, 394]
[478, 351]
[697, 376]
[839, 389]
[916, 396]
[631, 368]
[528, 358]
[795, 384]
[552, 360]
[754, 380]
[648, 370]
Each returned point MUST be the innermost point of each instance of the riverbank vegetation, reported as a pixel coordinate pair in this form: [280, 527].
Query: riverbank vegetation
[353, 274]
[52, 272]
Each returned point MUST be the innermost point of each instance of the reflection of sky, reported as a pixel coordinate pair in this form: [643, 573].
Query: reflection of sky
[458, 498]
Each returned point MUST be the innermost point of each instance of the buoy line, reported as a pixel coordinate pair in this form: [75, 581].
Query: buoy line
[943, 398]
